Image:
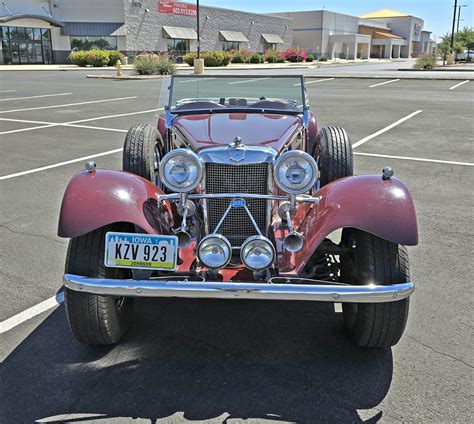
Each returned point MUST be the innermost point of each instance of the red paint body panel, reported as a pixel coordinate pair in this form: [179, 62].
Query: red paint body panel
[380, 207]
[220, 129]
[93, 200]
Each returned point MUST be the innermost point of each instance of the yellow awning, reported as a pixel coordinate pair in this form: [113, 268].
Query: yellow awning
[383, 13]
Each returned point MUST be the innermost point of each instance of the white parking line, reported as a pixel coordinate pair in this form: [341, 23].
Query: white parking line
[56, 165]
[194, 79]
[245, 81]
[313, 82]
[458, 85]
[7, 91]
[383, 83]
[69, 104]
[389, 127]
[70, 124]
[35, 97]
[448, 162]
[26, 315]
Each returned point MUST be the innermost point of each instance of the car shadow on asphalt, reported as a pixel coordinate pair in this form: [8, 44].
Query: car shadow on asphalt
[282, 361]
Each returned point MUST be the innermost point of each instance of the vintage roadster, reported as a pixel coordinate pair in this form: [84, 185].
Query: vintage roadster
[235, 194]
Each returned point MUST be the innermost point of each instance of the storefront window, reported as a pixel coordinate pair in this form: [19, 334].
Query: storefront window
[25, 45]
[231, 45]
[269, 46]
[175, 45]
[87, 42]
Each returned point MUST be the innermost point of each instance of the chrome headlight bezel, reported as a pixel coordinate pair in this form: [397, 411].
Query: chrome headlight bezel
[262, 243]
[301, 157]
[186, 155]
[223, 243]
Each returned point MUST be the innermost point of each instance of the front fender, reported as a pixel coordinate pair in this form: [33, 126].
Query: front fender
[102, 197]
[381, 207]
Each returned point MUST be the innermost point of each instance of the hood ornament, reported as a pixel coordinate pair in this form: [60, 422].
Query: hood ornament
[237, 150]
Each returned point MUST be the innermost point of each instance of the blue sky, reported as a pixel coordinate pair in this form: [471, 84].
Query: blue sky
[437, 14]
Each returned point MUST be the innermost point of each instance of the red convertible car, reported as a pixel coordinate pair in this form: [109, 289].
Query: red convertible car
[236, 194]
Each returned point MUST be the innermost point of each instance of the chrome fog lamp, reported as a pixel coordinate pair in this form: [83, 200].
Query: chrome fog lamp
[181, 170]
[295, 172]
[214, 251]
[257, 253]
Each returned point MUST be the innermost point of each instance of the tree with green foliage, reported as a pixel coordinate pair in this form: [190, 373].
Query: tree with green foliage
[444, 47]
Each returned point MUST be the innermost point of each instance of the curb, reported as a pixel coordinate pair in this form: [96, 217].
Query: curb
[127, 77]
[401, 77]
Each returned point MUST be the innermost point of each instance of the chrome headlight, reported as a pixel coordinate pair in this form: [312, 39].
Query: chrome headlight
[214, 251]
[295, 172]
[181, 170]
[257, 253]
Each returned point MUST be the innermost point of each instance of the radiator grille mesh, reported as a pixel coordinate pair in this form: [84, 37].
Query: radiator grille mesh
[227, 178]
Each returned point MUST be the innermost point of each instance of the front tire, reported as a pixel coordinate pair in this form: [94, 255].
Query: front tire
[372, 260]
[95, 319]
[333, 154]
[142, 152]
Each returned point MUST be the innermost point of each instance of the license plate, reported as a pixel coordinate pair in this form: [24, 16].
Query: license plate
[143, 251]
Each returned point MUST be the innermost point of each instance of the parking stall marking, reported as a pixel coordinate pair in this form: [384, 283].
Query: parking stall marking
[246, 81]
[194, 79]
[70, 104]
[314, 81]
[387, 128]
[458, 85]
[35, 97]
[46, 124]
[29, 313]
[7, 91]
[447, 162]
[56, 165]
[383, 83]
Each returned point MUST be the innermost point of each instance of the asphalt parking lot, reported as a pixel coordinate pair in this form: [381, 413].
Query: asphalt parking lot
[222, 360]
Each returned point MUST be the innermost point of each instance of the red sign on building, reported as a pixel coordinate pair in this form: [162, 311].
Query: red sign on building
[176, 8]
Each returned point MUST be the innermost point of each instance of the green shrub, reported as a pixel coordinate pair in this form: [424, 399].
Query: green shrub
[256, 58]
[280, 59]
[309, 58]
[153, 64]
[322, 59]
[425, 62]
[78, 58]
[114, 56]
[189, 58]
[97, 58]
[238, 58]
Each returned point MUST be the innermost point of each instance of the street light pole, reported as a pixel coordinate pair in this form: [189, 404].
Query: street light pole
[454, 22]
[198, 36]
[459, 15]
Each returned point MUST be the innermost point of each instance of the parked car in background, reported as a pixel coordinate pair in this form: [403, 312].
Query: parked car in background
[236, 194]
[465, 56]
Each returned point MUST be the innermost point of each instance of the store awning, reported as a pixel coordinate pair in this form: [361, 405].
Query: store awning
[96, 29]
[49, 19]
[180, 33]
[380, 34]
[272, 39]
[120, 31]
[233, 36]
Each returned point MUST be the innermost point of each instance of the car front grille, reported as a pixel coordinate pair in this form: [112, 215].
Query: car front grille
[228, 178]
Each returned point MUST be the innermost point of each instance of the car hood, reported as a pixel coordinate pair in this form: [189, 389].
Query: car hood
[220, 129]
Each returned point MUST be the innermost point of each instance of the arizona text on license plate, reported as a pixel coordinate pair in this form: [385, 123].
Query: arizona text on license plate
[144, 251]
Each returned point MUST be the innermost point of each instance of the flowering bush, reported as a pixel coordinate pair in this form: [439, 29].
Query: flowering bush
[211, 59]
[295, 55]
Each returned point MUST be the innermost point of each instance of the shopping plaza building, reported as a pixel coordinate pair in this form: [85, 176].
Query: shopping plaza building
[45, 31]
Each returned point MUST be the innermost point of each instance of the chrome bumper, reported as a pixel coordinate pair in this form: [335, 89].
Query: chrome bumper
[240, 290]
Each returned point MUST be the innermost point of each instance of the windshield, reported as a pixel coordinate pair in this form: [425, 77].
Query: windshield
[279, 93]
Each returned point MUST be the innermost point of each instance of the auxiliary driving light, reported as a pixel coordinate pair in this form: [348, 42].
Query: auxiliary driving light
[257, 253]
[214, 251]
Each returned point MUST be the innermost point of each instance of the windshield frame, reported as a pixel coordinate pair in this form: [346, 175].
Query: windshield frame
[237, 107]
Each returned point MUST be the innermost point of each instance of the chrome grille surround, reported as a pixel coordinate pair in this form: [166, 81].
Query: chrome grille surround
[252, 174]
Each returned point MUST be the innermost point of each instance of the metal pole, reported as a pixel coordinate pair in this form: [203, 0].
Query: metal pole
[199, 37]
[454, 22]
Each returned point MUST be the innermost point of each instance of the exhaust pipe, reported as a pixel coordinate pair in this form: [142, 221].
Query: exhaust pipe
[293, 242]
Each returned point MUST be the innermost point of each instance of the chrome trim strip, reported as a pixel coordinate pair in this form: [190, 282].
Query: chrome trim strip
[175, 196]
[240, 290]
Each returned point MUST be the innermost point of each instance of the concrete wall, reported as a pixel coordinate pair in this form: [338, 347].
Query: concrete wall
[144, 30]
[88, 10]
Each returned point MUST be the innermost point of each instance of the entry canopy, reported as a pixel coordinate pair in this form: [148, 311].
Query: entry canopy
[180, 33]
[233, 36]
[272, 39]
